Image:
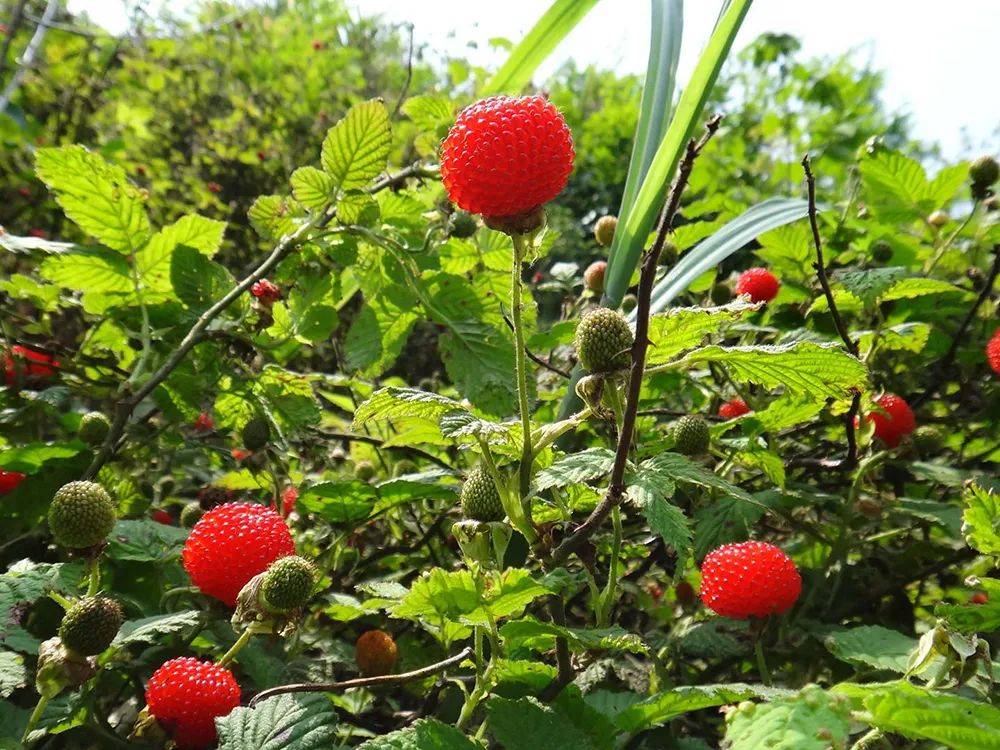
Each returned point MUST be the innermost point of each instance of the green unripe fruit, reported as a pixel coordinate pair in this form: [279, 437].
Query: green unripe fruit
[927, 439]
[287, 584]
[604, 341]
[364, 470]
[191, 513]
[604, 230]
[81, 515]
[94, 428]
[629, 303]
[721, 293]
[463, 225]
[593, 277]
[691, 436]
[404, 467]
[256, 433]
[89, 626]
[480, 499]
[938, 219]
[668, 254]
[881, 252]
[984, 171]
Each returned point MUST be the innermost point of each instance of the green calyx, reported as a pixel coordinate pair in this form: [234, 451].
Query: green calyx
[81, 515]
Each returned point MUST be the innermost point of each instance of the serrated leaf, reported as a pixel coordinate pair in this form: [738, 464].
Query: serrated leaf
[399, 403]
[26, 582]
[982, 519]
[153, 629]
[198, 282]
[721, 521]
[678, 468]
[356, 149]
[153, 262]
[442, 595]
[683, 328]
[284, 722]
[551, 727]
[13, 674]
[96, 196]
[667, 705]
[897, 187]
[869, 284]
[312, 187]
[272, 216]
[973, 618]
[802, 368]
[871, 645]
[145, 540]
[424, 734]
[575, 468]
[650, 491]
[89, 270]
[357, 208]
[812, 720]
[339, 502]
[541, 637]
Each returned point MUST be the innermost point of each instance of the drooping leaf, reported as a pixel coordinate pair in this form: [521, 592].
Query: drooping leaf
[541, 637]
[667, 705]
[871, 645]
[575, 468]
[811, 720]
[356, 148]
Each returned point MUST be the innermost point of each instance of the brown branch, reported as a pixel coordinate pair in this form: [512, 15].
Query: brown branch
[535, 358]
[409, 75]
[389, 679]
[647, 277]
[940, 369]
[852, 440]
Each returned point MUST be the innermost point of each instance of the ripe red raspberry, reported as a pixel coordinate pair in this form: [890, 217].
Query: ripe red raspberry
[204, 422]
[22, 363]
[894, 421]
[266, 292]
[214, 187]
[162, 516]
[231, 544]
[734, 408]
[506, 156]
[979, 598]
[750, 579]
[993, 352]
[240, 455]
[289, 497]
[185, 696]
[9, 481]
[759, 283]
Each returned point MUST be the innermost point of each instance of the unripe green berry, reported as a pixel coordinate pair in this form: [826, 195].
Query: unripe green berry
[462, 225]
[364, 470]
[721, 293]
[604, 341]
[629, 303]
[604, 230]
[480, 499]
[191, 513]
[255, 434]
[89, 626]
[404, 467]
[94, 428]
[984, 171]
[668, 254]
[287, 584]
[691, 435]
[927, 439]
[881, 252]
[81, 515]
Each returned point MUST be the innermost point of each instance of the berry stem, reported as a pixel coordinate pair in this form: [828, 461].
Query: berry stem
[607, 598]
[231, 654]
[758, 650]
[95, 578]
[59, 599]
[520, 242]
[35, 717]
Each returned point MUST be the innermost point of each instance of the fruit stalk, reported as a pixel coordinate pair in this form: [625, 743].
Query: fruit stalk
[35, 717]
[520, 242]
[231, 654]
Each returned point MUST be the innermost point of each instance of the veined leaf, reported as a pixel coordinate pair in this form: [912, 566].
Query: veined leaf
[812, 720]
[678, 468]
[541, 637]
[973, 618]
[664, 706]
[567, 724]
[424, 734]
[284, 722]
[576, 468]
[651, 490]
[312, 187]
[871, 645]
[192, 231]
[561, 17]
[683, 328]
[982, 519]
[356, 149]
[394, 403]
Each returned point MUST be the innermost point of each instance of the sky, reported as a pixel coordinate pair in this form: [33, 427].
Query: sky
[939, 59]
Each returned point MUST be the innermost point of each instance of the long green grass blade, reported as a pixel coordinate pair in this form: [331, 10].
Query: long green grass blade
[634, 228]
[561, 17]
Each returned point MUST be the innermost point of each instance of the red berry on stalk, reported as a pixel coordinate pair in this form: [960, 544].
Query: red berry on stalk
[266, 292]
[161, 516]
[759, 283]
[993, 352]
[185, 696]
[24, 191]
[239, 454]
[289, 497]
[9, 480]
[893, 419]
[506, 156]
[204, 422]
[750, 579]
[734, 408]
[22, 363]
[231, 544]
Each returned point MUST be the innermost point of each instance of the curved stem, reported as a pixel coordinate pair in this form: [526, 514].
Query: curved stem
[35, 717]
[242, 641]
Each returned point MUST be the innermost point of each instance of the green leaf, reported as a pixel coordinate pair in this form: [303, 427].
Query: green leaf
[982, 519]
[803, 368]
[678, 468]
[397, 403]
[146, 541]
[288, 397]
[153, 629]
[339, 502]
[285, 722]
[721, 521]
[527, 724]
[198, 281]
[576, 468]
[31, 457]
[541, 637]
[869, 284]
[312, 187]
[651, 490]
[89, 270]
[662, 707]
[920, 714]
[153, 262]
[812, 720]
[13, 674]
[975, 618]
[561, 17]
[424, 734]
[272, 216]
[684, 328]
[871, 645]
[356, 149]
[898, 190]
[96, 196]
[26, 582]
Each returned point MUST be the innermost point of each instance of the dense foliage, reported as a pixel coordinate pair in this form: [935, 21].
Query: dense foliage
[274, 411]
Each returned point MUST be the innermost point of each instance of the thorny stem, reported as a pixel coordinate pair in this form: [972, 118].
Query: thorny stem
[520, 363]
[616, 488]
[390, 679]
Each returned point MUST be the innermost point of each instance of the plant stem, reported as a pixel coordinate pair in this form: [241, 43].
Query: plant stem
[35, 717]
[758, 650]
[606, 602]
[242, 641]
[61, 600]
[520, 363]
[95, 578]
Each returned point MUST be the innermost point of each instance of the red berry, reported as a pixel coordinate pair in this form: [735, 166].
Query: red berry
[214, 187]
[506, 156]
[22, 362]
[593, 277]
[993, 352]
[759, 283]
[9, 480]
[24, 191]
[231, 544]
[979, 598]
[39, 233]
[750, 579]
[240, 455]
[204, 422]
[894, 421]
[185, 696]
[288, 499]
[734, 408]
[161, 516]
[376, 653]
[261, 155]
[318, 45]
[266, 292]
